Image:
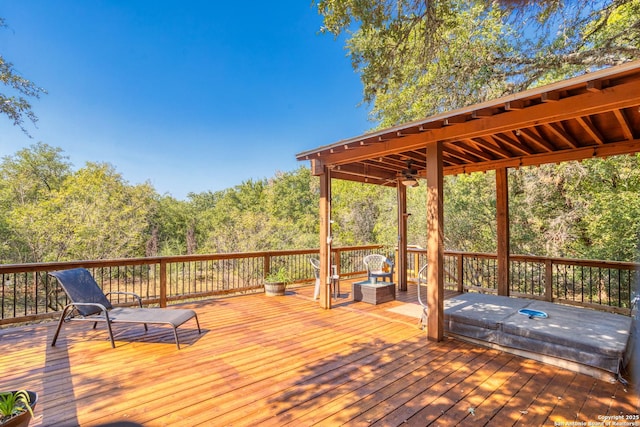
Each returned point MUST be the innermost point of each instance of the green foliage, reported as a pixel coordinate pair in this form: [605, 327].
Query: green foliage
[608, 195]
[50, 213]
[418, 88]
[97, 215]
[279, 213]
[418, 58]
[583, 210]
[172, 228]
[362, 213]
[14, 98]
[14, 403]
[280, 275]
[470, 212]
[28, 180]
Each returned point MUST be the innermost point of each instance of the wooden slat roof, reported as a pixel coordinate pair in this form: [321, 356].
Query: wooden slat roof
[593, 115]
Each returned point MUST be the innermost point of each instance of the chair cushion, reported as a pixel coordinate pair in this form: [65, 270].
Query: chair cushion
[170, 316]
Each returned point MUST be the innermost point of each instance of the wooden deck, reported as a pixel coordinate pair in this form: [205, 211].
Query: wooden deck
[284, 361]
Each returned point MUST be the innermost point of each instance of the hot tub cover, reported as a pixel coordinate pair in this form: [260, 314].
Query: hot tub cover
[577, 334]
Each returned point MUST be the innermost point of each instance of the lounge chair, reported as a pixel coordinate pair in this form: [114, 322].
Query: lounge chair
[378, 266]
[90, 304]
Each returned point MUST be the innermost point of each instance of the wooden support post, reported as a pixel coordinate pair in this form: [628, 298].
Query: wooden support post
[502, 227]
[435, 243]
[401, 261]
[325, 239]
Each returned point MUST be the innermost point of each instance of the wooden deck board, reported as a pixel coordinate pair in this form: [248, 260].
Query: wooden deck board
[335, 376]
[284, 361]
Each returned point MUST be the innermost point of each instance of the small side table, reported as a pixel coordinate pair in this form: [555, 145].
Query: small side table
[374, 292]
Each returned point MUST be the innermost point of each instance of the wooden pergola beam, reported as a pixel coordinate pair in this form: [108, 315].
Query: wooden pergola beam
[538, 141]
[624, 124]
[588, 103]
[558, 130]
[591, 129]
[611, 149]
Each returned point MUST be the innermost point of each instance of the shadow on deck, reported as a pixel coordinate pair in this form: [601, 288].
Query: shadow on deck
[283, 360]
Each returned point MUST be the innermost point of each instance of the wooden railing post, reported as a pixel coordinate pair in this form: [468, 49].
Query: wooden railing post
[336, 259]
[267, 265]
[163, 283]
[460, 260]
[398, 266]
[548, 280]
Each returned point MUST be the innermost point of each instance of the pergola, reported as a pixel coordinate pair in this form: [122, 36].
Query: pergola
[593, 115]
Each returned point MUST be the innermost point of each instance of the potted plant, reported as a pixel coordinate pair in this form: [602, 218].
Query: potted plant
[276, 282]
[16, 408]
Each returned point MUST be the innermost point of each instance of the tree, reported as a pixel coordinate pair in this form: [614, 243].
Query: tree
[96, 214]
[172, 228]
[292, 203]
[14, 99]
[358, 212]
[608, 194]
[588, 209]
[227, 213]
[417, 57]
[278, 213]
[27, 180]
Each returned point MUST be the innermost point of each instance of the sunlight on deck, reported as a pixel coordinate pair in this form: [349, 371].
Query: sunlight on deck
[283, 360]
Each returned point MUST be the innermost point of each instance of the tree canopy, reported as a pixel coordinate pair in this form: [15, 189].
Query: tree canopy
[50, 211]
[16, 93]
[417, 58]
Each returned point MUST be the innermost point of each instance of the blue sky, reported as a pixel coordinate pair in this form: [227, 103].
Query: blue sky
[188, 95]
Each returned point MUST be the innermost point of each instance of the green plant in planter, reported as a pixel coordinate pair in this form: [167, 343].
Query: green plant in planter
[276, 281]
[281, 275]
[14, 403]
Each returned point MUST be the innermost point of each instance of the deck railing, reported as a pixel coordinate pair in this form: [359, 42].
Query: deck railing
[606, 285]
[27, 293]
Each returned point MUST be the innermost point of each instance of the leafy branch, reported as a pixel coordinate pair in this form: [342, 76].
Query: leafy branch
[16, 105]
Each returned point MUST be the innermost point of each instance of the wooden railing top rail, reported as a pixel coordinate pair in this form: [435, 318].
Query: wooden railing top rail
[557, 260]
[27, 295]
[31, 267]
